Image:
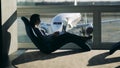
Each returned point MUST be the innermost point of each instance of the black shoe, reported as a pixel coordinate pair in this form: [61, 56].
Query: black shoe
[114, 48]
[86, 38]
[90, 37]
[112, 51]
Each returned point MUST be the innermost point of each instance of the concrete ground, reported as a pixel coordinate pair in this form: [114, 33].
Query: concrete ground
[68, 59]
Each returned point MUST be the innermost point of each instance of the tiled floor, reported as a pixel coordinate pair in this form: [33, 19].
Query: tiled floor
[67, 59]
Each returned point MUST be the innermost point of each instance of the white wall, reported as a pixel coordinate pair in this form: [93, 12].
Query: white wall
[8, 8]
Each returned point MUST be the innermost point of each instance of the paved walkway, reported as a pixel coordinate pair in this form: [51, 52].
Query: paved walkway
[68, 59]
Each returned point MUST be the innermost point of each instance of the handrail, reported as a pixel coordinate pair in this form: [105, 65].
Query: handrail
[54, 9]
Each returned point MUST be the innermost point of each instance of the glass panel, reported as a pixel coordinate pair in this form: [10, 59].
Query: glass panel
[110, 27]
[84, 24]
[22, 36]
[82, 28]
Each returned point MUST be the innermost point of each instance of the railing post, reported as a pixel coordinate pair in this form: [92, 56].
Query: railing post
[97, 29]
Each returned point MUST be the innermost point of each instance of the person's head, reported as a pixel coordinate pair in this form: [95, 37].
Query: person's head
[35, 20]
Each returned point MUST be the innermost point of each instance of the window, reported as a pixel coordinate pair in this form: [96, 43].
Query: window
[96, 8]
[110, 27]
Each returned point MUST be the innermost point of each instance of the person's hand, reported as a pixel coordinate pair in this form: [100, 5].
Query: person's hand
[56, 33]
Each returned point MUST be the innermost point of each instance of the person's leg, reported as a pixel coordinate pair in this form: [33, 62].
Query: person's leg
[67, 38]
[81, 41]
[58, 42]
[84, 46]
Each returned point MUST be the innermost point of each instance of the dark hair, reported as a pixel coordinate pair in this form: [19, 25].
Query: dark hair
[33, 19]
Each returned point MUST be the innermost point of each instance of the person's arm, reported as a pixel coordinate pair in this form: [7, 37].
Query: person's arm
[37, 32]
[54, 34]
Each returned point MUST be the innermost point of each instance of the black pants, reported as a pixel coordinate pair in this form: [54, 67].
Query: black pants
[59, 41]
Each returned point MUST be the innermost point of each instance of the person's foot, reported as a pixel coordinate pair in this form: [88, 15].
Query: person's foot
[86, 47]
[86, 38]
[112, 51]
[89, 37]
[114, 48]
